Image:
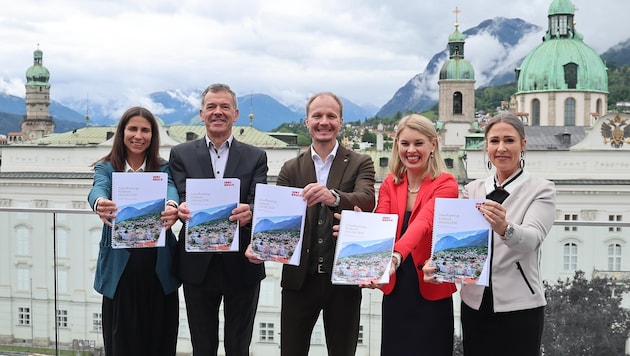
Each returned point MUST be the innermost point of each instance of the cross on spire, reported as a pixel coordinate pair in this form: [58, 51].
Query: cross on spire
[456, 12]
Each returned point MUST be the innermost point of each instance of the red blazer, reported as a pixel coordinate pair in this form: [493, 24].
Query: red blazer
[392, 199]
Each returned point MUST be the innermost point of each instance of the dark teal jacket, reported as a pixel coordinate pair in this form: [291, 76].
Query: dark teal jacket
[111, 262]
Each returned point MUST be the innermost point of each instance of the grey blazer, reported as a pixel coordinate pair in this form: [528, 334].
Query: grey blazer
[516, 279]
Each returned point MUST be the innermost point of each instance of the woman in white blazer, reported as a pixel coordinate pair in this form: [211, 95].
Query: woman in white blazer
[507, 317]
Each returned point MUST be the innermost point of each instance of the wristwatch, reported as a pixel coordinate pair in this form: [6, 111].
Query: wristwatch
[337, 199]
[508, 232]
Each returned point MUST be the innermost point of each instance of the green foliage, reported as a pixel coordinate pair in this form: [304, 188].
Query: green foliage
[303, 139]
[585, 317]
[488, 99]
[618, 85]
[369, 136]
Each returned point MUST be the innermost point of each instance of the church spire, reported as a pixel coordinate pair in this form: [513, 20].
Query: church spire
[37, 122]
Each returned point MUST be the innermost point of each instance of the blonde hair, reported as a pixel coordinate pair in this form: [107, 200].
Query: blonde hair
[435, 165]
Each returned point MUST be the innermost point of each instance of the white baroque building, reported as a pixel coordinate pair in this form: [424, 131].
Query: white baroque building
[49, 236]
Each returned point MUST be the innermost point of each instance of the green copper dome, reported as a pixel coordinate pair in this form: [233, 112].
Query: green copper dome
[456, 36]
[562, 62]
[37, 74]
[561, 7]
[456, 67]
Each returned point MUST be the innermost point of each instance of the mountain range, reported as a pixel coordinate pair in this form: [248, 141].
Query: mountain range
[474, 239]
[141, 209]
[366, 247]
[215, 213]
[279, 223]
[495, 48]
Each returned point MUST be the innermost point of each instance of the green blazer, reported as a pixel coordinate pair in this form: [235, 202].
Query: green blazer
[112, 262]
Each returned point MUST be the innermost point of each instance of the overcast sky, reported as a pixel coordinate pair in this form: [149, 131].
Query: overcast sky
[118, 51]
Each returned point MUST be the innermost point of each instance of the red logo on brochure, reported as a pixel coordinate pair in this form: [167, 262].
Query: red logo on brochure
[478, 205]
[296, 194]
[157, 178]
[228, 183]
[387, 218]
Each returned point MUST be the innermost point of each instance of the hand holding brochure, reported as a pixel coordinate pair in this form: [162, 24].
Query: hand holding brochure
[211, 202]
[278, 223]
[461, 241]
[364, 247]
[140, 198]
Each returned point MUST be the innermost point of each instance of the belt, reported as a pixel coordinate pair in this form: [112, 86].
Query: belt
[320, 269]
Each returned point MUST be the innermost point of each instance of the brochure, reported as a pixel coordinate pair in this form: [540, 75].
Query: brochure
[278, 223]
[461, 241]
[140, 198]
[364, 247]
[211, 202]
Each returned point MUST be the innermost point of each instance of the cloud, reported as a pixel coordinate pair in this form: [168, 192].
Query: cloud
[117, 52]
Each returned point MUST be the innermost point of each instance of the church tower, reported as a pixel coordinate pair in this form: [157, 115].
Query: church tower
[37, 122]
[457, 81]
[563, 81]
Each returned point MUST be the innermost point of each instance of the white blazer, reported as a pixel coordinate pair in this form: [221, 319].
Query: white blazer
[516, 279]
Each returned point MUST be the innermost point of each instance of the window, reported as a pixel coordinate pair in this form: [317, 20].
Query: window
[22, 238]
[62, 243]
[569, 256]
[570, 217]
[62, 281]
[97, 322]
[24, 316]
[562, 24]
[457, 103]
[360, 340]
[266, 292]
[614, 257]
[96, 238]
[266, 332]
[316, 335]
[535, 112]
[614, 218]
[569, 112]
[23, 276]
[62, 318]
[570, 75]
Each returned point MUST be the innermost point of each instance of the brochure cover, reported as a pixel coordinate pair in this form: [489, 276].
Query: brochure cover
[461, 241]
[364, 247]
[140, 198]
[211, 202]
[278, 223]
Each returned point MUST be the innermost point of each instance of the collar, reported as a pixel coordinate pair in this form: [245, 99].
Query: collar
[141, 169]
[332, 153]
[227, 143]
[513, 181]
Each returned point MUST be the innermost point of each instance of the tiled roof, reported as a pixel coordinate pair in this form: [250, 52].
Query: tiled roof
[95, 135]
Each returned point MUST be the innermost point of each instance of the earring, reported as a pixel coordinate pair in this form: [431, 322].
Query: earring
[522, 160]
[431, 156]
[489, 165]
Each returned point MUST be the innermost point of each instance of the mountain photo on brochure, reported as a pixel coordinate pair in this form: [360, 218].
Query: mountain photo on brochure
[461, 241]
[364, 247]
[278, 223]
[211, 202]
[141, 198]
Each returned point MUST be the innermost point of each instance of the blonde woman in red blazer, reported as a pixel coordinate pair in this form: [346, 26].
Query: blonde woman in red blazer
[417, 316]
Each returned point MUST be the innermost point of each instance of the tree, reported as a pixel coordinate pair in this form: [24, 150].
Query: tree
[585, 317]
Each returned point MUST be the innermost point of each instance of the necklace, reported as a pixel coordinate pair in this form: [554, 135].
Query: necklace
[412, 191]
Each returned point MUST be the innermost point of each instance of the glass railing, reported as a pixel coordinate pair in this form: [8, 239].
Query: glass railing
[48, 259]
